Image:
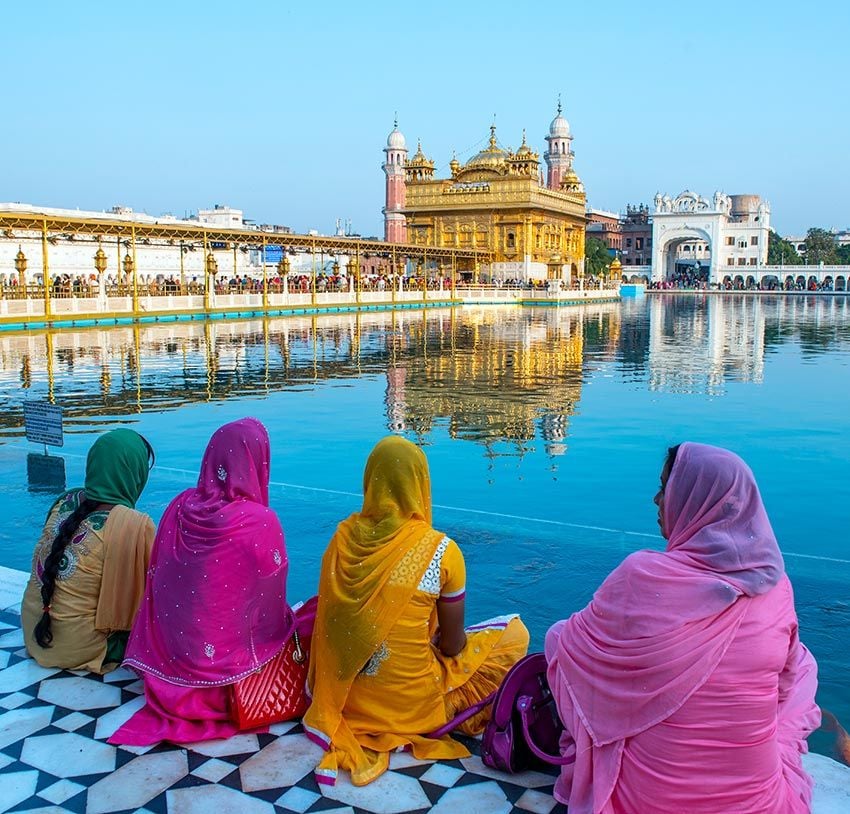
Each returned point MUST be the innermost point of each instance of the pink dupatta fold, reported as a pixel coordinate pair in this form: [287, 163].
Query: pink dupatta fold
[660, 623]
[215, 606]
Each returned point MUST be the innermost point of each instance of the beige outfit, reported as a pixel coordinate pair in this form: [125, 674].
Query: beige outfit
[99, 585]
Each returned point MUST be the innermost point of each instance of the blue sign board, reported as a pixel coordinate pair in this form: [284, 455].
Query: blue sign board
[274, 254]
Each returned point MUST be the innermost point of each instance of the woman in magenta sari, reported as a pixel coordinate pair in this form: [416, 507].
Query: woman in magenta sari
[683, 685]
[215, 600]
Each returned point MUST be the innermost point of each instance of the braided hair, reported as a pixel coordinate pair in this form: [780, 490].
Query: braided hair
[43, 634]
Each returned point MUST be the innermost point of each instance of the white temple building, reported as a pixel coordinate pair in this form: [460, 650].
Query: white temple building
[723, 236]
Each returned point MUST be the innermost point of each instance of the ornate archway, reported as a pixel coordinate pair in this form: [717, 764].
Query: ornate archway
[665, 251]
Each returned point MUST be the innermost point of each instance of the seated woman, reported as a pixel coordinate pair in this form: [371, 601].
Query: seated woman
[391, 660]
[683, 685]
[88, 568]
[215, 602]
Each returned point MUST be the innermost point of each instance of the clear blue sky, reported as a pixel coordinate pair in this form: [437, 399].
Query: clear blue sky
[283, 111]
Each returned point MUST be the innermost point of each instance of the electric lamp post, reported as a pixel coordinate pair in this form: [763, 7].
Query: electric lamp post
[21, 268]
[100, 268]
[211, 267]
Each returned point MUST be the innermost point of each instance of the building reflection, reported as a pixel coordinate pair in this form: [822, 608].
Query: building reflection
[699, 343]
[484, 374]
[507, 378]
[492, 377]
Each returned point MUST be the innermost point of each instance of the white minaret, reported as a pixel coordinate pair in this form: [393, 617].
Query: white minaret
[559, 156]
[395, 224]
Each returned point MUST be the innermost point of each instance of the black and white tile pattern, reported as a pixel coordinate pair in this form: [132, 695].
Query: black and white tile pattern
[54, 758]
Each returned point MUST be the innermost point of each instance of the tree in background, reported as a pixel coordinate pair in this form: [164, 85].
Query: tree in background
[820, 247]
[781, 252]
[597, 258]
[843, 253]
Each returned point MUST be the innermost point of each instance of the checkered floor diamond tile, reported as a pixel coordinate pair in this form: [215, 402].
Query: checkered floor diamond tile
[54, 758]
[53, 752]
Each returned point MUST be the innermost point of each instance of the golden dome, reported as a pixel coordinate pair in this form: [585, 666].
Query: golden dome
[419, 158]
[491, 158]
[524, 149]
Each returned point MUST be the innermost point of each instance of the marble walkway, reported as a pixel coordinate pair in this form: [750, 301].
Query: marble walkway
[54, 758]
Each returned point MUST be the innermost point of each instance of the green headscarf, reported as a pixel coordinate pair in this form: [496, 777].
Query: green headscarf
[117, 468]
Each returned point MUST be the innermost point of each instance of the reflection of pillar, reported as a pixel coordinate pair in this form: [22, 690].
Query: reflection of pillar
[315, 338]
[394, 399]
[357, 333]
[266, 352]
[137, 344]
[209, 356]
[48, 341]
[26, 373]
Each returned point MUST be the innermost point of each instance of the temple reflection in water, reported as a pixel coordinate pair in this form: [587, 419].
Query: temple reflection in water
[497, 376]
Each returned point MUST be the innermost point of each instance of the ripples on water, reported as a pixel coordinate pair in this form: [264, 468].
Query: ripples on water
[548, 414]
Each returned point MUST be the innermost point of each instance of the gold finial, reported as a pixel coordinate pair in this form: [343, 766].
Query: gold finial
[559, 104]
[395, 120]
[493, 136]
[523, 138]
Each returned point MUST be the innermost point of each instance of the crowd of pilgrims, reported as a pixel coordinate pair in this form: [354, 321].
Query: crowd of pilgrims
[683, 685]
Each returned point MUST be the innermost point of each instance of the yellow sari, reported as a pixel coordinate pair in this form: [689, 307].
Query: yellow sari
[378, 684]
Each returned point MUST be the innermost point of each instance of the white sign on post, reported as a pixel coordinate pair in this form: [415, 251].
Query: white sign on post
[43, 423]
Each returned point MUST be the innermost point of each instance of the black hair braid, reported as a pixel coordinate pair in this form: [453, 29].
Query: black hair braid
[42, 632]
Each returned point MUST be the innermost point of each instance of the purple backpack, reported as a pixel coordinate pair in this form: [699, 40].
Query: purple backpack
[524, 729]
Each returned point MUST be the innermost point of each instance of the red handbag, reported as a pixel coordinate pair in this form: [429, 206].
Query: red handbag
[278, 690]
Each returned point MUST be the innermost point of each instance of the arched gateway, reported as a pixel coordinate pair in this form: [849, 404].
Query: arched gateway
[697, 239]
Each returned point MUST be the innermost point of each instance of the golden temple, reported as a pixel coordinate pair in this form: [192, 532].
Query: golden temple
[498, 203]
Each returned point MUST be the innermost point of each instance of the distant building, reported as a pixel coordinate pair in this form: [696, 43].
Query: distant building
[841, 237]
[223, 216]
[604, 226]
[629, 235]
[799, 244]
[636, 236]
[711, 239]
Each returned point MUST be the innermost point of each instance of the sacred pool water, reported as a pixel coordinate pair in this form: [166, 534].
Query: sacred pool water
[545, 429]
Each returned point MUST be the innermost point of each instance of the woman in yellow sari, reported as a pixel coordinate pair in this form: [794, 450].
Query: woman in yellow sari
[391, 660]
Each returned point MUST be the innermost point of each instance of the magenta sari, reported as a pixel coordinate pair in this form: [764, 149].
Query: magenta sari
[215, 605]
[683, 684]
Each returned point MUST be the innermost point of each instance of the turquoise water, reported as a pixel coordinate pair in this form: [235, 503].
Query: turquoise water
[545, 430]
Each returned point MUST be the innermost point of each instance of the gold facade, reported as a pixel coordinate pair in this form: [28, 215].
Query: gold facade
[497, 204]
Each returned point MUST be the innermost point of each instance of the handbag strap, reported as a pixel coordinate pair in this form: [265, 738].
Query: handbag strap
[524, 706]
[455, 722]
[298, 654]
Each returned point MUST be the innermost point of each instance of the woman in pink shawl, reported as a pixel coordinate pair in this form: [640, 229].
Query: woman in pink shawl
[215, 600]
[683, 685]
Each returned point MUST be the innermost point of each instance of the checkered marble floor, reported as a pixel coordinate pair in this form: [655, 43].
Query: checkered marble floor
[54, 758]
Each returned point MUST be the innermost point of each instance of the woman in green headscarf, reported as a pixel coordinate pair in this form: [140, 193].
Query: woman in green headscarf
[88, 568]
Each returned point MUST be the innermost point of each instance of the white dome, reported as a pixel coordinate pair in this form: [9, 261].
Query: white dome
[560, 127]
[395, 140]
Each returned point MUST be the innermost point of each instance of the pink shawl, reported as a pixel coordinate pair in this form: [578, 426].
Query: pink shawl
[661, 622]
[215, 606]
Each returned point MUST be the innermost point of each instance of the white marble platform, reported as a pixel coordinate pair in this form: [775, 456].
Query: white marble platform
[54, 758]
